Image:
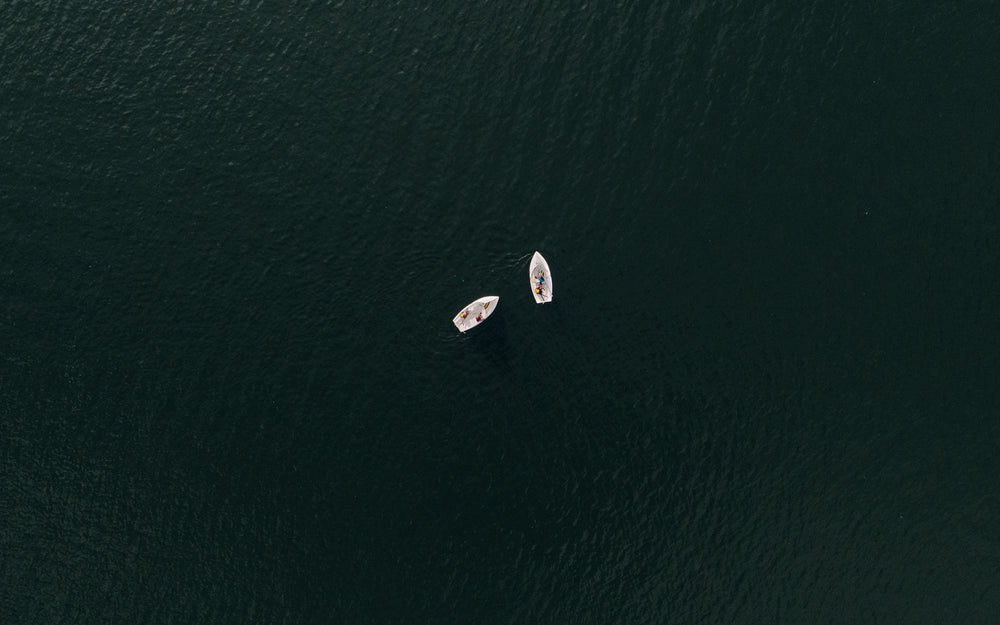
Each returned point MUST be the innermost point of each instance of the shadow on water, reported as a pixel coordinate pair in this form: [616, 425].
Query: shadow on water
[491, 340]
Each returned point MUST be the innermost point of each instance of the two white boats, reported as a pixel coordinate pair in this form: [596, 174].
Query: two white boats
[479, 310]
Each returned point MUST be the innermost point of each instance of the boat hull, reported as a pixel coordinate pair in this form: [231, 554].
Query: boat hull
[540, 278]
[475, 313]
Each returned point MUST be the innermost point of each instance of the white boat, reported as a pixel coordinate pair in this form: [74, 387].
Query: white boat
[541, 279]
[476, 312]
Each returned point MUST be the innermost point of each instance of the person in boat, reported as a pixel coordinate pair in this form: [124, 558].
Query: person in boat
[465, 314]
[479, 317]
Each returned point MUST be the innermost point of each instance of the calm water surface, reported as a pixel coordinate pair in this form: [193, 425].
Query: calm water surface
[233, 235]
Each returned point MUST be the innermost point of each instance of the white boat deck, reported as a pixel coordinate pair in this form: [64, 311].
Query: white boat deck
[476, 312]
[541, 279]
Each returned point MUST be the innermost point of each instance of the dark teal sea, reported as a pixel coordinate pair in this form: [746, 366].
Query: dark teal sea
[233, 236]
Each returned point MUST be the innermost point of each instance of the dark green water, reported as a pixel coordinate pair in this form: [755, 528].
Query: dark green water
[233, 237]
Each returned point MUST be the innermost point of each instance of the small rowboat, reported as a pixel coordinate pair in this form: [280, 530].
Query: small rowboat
[541, 279]
[476, 312]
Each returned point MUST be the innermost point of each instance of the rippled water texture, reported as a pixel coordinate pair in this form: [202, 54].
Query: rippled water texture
[233, 237]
